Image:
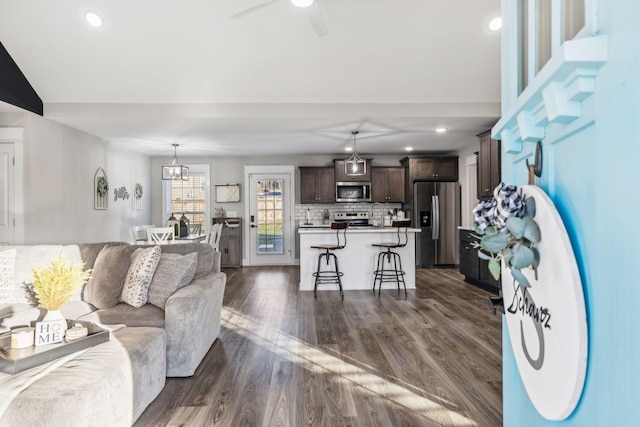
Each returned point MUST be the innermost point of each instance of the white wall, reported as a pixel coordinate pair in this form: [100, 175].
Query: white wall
[59, 167]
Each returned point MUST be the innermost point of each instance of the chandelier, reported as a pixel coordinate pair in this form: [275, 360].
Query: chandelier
[175, 171]
[354, 165]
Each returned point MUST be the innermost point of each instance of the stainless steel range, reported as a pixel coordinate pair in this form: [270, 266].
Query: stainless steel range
[355, 219]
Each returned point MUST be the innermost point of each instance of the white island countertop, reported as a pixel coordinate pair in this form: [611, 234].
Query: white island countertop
[358, 259]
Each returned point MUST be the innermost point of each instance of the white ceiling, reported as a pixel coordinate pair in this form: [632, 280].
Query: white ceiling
[160, 72]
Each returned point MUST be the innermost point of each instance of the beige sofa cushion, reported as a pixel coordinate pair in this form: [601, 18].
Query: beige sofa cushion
[174, 272]
[110, 269]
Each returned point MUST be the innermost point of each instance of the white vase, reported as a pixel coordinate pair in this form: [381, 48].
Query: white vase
[55, 316]
[52, 315]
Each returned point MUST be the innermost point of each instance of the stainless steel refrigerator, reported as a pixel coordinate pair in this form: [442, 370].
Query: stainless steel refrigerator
[436, 210]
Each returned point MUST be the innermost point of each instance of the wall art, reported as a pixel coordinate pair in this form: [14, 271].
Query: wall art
[101, 189]
[120, 193]
[138, 191]
[227, 192]
[547, 320]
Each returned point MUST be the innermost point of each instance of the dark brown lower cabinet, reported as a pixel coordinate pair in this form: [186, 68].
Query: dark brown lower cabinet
[474, 269]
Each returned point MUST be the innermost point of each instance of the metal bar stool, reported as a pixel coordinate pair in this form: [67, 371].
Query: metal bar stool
[331, 276]
[392, 272]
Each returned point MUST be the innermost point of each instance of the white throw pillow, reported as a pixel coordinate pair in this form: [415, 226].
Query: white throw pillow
[7, 273]
[143, 265]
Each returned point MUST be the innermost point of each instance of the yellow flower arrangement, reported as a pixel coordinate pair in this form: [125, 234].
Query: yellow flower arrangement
[54, 285]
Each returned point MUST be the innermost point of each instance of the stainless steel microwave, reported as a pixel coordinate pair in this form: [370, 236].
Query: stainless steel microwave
[353, 191]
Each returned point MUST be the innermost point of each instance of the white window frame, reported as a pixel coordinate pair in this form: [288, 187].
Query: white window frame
[166, 195]
[557, 30]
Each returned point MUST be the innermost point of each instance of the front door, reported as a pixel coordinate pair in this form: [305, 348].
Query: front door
[270, 219]
[7, 225]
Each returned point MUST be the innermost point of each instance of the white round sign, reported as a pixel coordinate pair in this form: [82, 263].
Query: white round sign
[547, 322]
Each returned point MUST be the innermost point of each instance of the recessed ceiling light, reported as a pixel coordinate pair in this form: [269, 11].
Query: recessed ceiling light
[441, 130]
[93, 19]
[349, 149]
[495, 24]
[302, 3]
[408, 148]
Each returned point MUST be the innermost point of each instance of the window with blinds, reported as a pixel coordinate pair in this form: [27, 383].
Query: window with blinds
[189, 198]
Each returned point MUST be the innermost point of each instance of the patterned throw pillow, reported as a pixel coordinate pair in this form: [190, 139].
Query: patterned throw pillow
[7, 273]
[143, 266]
[174, 272]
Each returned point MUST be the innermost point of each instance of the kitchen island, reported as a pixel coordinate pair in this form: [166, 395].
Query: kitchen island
[358, 259]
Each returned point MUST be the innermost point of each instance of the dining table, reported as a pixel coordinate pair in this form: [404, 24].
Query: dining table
[189, 238]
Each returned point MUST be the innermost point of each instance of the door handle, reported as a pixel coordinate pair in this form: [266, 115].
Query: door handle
[435, 209]
[253, 226]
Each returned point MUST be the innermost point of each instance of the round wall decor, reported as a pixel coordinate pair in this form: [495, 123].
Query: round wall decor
[547, 322]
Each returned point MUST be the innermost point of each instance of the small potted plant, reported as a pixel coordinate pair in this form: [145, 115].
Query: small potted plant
[54, 285]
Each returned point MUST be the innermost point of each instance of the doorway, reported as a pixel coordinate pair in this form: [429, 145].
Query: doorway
[270, 207]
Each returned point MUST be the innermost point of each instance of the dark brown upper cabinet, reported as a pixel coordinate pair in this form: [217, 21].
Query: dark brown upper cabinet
[387, 184]
[432, 168]
[317, 185]
[488, 167]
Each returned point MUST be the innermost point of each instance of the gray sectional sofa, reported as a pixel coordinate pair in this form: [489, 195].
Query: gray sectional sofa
[112, 383]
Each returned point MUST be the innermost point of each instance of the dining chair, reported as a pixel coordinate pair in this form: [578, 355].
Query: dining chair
[139, 233]
[214, 236]
[160, 235]
[195, 228]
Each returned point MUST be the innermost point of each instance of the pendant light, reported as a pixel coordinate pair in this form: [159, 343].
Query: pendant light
[354, 165]
[175, 171]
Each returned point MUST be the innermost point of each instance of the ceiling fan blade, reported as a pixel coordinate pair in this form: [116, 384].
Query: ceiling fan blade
[314, 13]
[253, 9]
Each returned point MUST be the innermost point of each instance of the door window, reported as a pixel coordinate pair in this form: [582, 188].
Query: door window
[270, 214]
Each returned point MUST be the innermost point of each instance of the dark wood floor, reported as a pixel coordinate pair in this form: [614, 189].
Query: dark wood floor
[286, 359]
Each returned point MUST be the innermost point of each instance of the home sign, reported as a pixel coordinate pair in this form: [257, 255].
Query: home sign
[50, 332]
[547, 322]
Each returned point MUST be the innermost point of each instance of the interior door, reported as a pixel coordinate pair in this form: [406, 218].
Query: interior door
[270, 219]
[7, 226]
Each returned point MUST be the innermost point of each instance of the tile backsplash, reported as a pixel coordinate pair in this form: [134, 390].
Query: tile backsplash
[317, 210]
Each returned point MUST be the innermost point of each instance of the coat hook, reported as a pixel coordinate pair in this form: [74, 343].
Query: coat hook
[535, 168]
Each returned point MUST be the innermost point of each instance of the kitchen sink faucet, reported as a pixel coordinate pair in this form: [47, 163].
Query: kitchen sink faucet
[371, 213]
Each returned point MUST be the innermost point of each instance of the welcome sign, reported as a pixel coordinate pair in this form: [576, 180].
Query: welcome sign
[547, 322]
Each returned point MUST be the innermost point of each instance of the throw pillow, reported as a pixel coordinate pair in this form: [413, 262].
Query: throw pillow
[174, 272]
[136, 285]
[7, 273]
[110, 270]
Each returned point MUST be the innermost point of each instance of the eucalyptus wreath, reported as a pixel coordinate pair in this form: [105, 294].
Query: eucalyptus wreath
[137, 191]
[508, 233]
[102, 187]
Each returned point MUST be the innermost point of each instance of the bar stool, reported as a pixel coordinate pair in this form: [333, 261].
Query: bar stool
[392, 272]
[331, 276]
